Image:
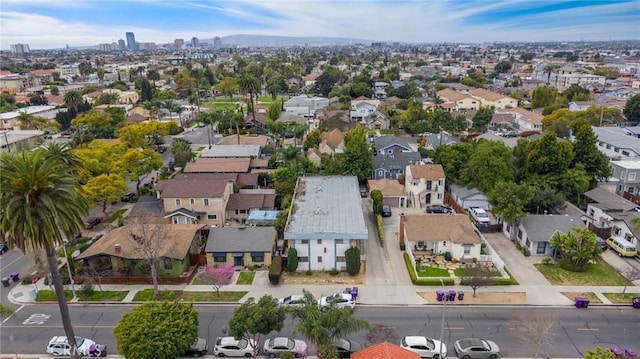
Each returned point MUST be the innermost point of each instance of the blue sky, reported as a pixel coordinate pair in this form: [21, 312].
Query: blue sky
[55, 23]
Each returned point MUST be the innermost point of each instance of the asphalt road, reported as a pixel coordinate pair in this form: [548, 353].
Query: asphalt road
[578, 330]
[12, 261]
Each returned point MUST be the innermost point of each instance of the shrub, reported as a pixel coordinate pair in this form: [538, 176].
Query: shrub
[292, 260]
[26, 280]
[518, 246]
[526, 252]
[308, 272]
[403, 246]
[546, 261]
[143, 267]
[274, 270]
[87, 289]
[352, 256]
[376, 197]
[169, 295]
[334, 272]
[475, 260]
[380, 227]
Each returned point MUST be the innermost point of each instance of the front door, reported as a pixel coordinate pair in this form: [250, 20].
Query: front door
[428, 200]
[238, 261]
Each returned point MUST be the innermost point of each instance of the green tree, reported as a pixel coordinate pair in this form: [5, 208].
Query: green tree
[41, 203]
[73, 100]
[228, 86]
[249, 84]
[585, 148]
[253, 319]
[181, 151]
[313, 139]
[508, 200]
[576, 249]
[358, 160]
[489, 163]
[153, 75]
[376, 198]
[632, 109]
[274, 111]
[543, 96]
[146, 92]
[104, 189]
[322, 327]
[482, 117]
[157, 330]
[292, 259]
[547, 155]
[55, 91]
[138, 164]
[352, 257]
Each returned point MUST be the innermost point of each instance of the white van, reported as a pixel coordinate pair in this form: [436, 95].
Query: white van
[623, 247]
[479, 215]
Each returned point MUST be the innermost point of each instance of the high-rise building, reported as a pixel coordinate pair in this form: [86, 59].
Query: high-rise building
[217, 43]
[195, 42]
[20, 48]
[131, 42]
[121, 45]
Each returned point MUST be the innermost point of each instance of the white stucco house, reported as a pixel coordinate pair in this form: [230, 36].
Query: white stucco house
[425, 184]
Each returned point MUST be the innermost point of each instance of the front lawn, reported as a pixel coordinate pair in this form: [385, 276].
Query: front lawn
[426, 271]
[45, 295]
[209, 296]
[246, 278]
[593, 298]
[622, 298]
[600, 273]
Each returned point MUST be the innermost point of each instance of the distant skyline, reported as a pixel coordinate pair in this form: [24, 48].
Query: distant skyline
[45, 24]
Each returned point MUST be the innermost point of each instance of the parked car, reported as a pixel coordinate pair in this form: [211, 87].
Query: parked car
[161, 149]
[91, 222]
[472, 348]
[346, 347]
[425, 347]
[198, 348]
[275, 346]
[601, 243]
[3, 248]
[291, 301]
[479, 215]
[438, 208]
[386, 210]
[232, 347]
[59, 346]
[363, 192]
[338, 300]
[127, 197]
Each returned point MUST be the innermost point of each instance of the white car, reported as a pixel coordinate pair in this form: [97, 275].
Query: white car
[296, 300]
[276, 346]
[232, 347]
[480, 215]
[59, 346]
[338, 300]
[425, 347]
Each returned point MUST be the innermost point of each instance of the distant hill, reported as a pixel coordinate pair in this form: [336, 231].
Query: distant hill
[268, 41]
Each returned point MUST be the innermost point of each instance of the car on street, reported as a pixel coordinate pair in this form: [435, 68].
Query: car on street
[275, 346]
[232, 347]
[91, 222]
[346, 347]
[127, 197]
[296, 300]
[386, 210]
[3, 248]
[438, 208]
[472, 348]
[338, 300]
[59, 346]
[425, 347]
[198, 348]
[601, 243]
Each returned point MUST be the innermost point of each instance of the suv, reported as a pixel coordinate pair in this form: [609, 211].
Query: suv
[386, 210]
[3, 248]
[91, 222]
[479, 215]
[127, 197]
[59, 346]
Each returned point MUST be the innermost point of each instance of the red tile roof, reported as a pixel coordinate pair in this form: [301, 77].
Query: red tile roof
[384, 350]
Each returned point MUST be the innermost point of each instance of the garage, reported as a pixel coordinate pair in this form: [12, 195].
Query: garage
[393, 202]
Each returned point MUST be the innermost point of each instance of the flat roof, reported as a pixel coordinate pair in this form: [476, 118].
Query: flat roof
[326, 207]
[232, 151]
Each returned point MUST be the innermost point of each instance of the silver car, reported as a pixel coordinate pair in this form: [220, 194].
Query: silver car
[476, 348]
[276, 346]
[232, 347]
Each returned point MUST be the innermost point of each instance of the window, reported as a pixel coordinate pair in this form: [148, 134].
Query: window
[178, 203]
[439, 196]
[625, 153]
[340, 259]
[212, 217]
[243, 211]
[428, 185]
[542, 248]
[519, 233]
[192, 201]
[467, 249]
[339, 241]
[319, 241]
[528, 243]
[219, 257]
[303, 259]
[440, 182]
[632, 176]
[304, 241]
[205, 202]
[168, 263]
[319, 259]
[257, 257]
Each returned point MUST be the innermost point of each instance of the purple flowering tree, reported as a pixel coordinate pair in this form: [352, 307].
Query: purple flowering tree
[219, 275]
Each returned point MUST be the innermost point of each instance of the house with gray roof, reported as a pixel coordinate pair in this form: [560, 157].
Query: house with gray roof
[241, 204]
[229, 151]
[610, 215]
[536, 230]
[241, 246]
[304, 105]
[325, 220]
[393, 165]
[469, 197]
[617, 143]
[386, 145]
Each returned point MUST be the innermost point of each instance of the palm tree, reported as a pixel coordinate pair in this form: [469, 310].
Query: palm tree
[322, 326]
[73, 100]
[26, 121]
[61, 152]
[41, 202]
[548, 69]
[251, 85]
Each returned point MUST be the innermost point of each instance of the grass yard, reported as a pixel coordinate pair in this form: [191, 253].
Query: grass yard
[147, 295]
[116, 215]
[622, 298]
[600, 273]
[96, 296]
[246, 278]
[220, 106]
[593, 298]
[426, 271]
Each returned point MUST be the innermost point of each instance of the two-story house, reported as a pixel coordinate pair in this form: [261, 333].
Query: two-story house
[387, 145]
[195, 201]
[331, 142]
[610, 215]
[304, 105]
[241, 204]
[626, 179]
[325, 220]
[425, 184]
[490, 98]
[617, 143]
[393, 165]
[460, 100]
[380, 89]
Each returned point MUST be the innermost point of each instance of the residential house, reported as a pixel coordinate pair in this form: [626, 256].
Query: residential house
[241, 204]
[610, 215]
[380, 89]
[393, 165]
[367, 114]
[384, 350]
[393, 193]
[459, 100]
[310, 80]
[218, 165]
[260, 121]
[304, 105]
[469, 197]
[241, 246]
[438, 234]
[490, 98]
[17, 140]
[617, 143]
[425, 184]
[241, 180]
[387, 145]
[626, 179]
[119, 249]
[15, 82]
[259, 140]
[331, 142]
[524, 120]
[9, 120]
[325, 220]
[195, 201]
[535, 231]
[92, 96]
[232, 151]
[124, 97]
[314, 155]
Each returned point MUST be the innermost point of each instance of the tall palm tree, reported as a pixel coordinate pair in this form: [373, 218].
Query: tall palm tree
[26, 121]
[548, 69]
[250, 84]
[41, 202]
[73, 100]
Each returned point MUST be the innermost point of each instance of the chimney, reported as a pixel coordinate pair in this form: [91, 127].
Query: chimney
[118, 249]
[401, 229]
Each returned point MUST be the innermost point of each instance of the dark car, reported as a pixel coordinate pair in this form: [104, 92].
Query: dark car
[127, 197]
[3, 248]
[363, 192]
[386, 210]
[91, 222]
[346, 347]
[601, 243]
[161, 149]
[437, 208]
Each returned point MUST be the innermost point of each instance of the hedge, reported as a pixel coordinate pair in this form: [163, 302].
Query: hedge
[380, 229]
[274, 270]
[423, 281]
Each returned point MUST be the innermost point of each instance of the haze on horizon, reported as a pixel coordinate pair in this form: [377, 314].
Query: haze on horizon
[47, 24]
